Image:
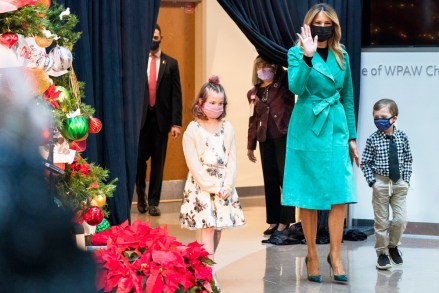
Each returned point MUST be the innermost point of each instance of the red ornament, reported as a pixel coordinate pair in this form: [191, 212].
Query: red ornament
[79, 217]
[62, 166]
[45, 137]
[94, 125]
[79, 145]
[8, 39]
[93, 215]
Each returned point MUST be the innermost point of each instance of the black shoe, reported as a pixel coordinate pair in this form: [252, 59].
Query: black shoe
[270, 231]
[395, 255]
[383, 262]
[154, 211]
[142, 207]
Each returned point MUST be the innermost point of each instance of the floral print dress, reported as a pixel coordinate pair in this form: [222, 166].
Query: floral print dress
[203, 209]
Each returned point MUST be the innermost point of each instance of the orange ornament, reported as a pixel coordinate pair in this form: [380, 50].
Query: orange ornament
[99, 200]
[38, 80]
[44, 2]
[43, 42]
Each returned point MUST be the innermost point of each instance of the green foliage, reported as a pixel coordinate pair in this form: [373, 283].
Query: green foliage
[76, 188]
[27, 20]
[30, 20]
[63, 28]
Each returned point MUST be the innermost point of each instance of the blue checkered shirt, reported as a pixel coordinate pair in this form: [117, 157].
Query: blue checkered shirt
[375, 158]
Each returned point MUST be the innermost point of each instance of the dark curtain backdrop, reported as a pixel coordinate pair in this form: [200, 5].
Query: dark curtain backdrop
[271, 26]
[111, 58]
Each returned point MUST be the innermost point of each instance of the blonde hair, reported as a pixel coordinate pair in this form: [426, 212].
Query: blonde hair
[334, 41]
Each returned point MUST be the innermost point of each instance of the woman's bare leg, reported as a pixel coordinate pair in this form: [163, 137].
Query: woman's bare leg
[335, 223]
[309, 226]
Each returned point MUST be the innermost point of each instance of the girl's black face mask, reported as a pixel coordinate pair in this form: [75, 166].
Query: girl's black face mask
[323, 32]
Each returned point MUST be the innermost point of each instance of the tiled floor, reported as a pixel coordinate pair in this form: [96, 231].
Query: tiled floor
[245, 265]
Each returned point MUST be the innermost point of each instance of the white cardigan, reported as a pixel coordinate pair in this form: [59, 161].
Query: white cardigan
[194, 146]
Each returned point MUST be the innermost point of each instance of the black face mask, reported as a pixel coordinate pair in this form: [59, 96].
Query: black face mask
[324, 32]
[155, 45]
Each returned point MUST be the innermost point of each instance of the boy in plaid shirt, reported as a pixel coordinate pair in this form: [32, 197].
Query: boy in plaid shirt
[387, 165]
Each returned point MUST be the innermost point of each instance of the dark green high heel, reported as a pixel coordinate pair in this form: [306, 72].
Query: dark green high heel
[338, 278]
[317, 279]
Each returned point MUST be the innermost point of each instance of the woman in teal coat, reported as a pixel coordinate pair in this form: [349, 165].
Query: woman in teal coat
[321, 134]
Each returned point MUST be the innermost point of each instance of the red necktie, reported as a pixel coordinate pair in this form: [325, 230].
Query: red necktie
[152, 81]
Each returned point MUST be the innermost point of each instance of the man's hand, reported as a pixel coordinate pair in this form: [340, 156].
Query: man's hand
[175, 132]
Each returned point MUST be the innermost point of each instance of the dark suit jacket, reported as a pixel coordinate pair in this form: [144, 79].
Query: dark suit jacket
[168, 100]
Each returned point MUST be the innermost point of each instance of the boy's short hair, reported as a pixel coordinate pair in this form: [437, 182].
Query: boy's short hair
[384, 103]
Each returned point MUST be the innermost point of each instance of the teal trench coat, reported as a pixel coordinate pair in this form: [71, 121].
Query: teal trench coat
[318, 169]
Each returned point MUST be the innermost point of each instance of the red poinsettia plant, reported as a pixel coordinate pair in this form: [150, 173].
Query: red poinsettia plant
[140, 259]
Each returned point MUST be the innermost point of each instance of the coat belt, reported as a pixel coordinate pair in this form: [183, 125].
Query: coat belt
[321, 111]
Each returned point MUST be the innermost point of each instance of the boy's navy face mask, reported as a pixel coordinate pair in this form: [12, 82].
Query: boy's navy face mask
[383, 123]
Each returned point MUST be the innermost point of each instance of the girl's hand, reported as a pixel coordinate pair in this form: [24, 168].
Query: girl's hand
[224, 194]
[353, 152]
[309, 43]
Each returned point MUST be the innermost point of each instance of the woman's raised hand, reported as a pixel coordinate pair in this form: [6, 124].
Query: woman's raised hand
[309, 43]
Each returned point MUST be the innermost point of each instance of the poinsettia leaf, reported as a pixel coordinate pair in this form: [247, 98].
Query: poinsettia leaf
[180, 289]
[203, 273]
[208, 261]
[194, 289]
[131, 255]
[155, 283]
[125, 285]
[215, 289]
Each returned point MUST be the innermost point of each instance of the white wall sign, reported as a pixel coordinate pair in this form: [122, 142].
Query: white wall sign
[412, 80]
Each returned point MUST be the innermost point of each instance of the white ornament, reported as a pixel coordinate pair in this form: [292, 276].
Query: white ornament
[62, 60]
[46, 33]
[64, 13]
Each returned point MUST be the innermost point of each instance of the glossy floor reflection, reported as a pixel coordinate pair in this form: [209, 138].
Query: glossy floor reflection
[246, 265]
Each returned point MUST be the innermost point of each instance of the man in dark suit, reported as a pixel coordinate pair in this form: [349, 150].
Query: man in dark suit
[161, 115]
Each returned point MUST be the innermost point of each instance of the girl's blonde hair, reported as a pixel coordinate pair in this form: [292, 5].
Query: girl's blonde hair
[334, 41]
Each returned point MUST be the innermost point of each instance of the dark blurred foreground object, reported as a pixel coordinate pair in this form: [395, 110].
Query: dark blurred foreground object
[38, 250]
[354, 235]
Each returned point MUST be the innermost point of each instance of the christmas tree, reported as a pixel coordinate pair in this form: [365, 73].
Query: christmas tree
[37, 37]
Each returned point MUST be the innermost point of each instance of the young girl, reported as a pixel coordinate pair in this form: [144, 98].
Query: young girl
[210, 201]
